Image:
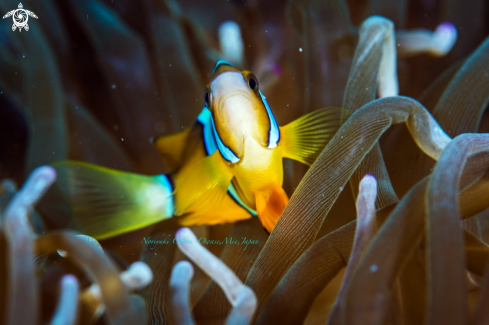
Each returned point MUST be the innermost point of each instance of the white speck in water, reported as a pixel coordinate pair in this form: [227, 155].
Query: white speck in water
[341, 137]
[23, 55]
[87, 16]
[170, 65]
[373, 268]
[366, 88]
[113, 86]
[300, 49]
[122, 139]
[53, 152]
[398, 44]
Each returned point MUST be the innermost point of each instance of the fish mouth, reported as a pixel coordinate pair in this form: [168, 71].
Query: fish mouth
[240, 96]
[235, 104]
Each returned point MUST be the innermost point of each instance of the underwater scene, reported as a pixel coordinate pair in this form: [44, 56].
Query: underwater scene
[244, 162]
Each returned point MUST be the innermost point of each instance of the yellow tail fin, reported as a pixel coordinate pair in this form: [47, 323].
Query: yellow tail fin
[270, 206]
[305, 138]
[107, 202]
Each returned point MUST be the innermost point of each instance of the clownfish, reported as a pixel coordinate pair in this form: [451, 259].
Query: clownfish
[226, 167]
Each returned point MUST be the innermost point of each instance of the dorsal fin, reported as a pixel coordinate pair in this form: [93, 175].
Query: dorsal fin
[171, 148]
[220, 62]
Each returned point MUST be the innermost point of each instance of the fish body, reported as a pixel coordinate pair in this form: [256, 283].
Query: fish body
[250, 147]
[226, 167]
[245, 126]
[259, 171]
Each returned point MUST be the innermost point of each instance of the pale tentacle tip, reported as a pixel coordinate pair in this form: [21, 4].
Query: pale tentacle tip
[69, 279]
[47, 172]
[137, 276]
[184, 269]
[37, 183]
[183, 232]
[444, 38]
[369, 178]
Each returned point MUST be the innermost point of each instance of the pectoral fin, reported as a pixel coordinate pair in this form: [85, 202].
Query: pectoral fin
[171, 148]
[106, 202]
[270, 206]
[202, 186]
[305, 138]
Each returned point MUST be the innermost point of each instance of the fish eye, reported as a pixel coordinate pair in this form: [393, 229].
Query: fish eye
[206, 97]
[252, 82]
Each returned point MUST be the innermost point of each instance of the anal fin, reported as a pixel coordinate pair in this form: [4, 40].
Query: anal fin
[228, 211]
[270, 206]
[305, 138]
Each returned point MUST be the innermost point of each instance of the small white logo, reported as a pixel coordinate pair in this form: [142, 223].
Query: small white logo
[20, 17]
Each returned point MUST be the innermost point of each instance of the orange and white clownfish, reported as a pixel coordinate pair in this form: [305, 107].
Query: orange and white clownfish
[245, 148]
[226, 167]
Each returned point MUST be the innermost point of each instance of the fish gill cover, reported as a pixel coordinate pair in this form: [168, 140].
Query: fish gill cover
[388, 225]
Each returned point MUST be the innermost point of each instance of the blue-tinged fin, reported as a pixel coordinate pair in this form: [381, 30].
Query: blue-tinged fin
[226, 153]
[274, 132]
[234, 194]
[219, 62]
[106, 202]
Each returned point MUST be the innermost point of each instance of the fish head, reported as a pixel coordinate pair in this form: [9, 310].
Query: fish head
[239, 110]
